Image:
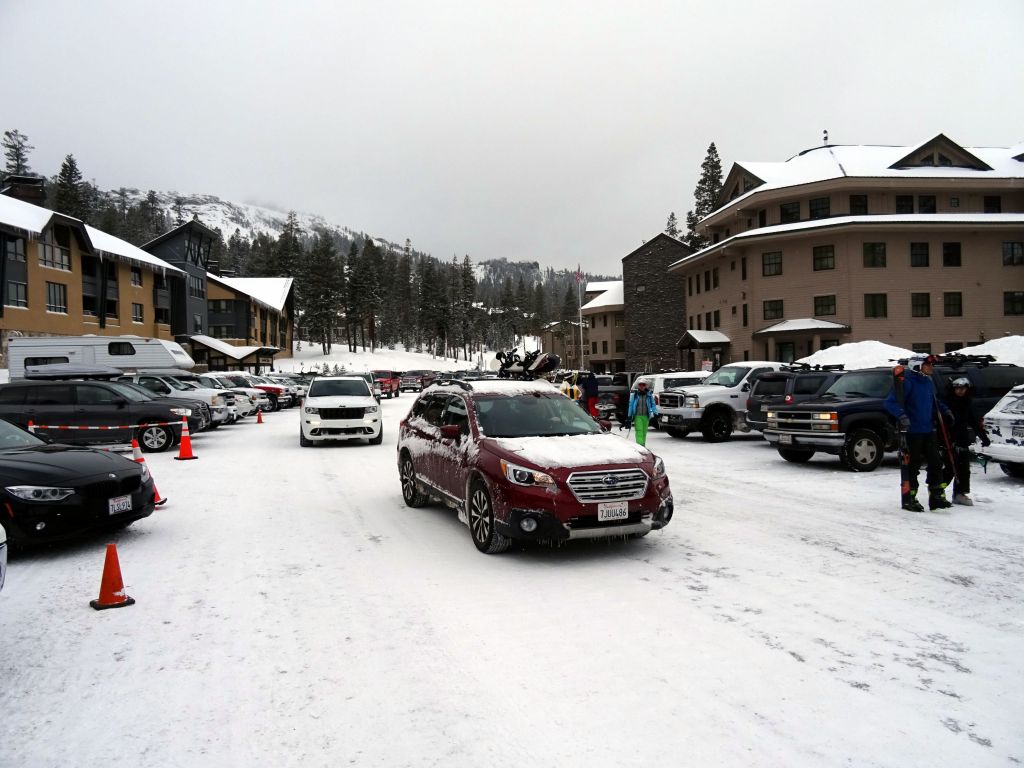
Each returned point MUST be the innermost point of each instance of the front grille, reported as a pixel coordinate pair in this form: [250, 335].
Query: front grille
[794, 421]
[107, 489]
[341, 413]
[608, 485]
[668, 400]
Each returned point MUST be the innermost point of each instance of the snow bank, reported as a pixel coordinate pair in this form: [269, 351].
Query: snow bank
[1008, 349]
[857, 354]
[398, 359]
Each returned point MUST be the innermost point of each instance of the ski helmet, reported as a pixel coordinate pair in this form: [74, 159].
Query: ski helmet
[960, 381]
[915, 363]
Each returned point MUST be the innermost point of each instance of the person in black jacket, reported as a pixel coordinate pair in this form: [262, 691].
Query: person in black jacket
[965, 427]
[590, 393]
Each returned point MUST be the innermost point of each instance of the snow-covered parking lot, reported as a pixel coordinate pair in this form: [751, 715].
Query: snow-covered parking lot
[291, 611]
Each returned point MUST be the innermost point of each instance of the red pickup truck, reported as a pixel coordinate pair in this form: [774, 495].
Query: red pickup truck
[390, 383]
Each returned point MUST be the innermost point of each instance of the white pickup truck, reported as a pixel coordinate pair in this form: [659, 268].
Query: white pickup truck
[717, 405]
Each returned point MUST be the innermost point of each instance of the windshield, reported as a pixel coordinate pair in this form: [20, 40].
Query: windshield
[133, 393]
[531, 415]
[682, 381]
[727, 376]
[212, 383]
[862, 384]
[239, 381]
[338, 388]
[12, 437]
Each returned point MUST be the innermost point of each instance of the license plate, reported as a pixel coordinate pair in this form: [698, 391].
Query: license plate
[674, 419]
[120, 504]
[1018, 431]
[613, 510]
[785, 439]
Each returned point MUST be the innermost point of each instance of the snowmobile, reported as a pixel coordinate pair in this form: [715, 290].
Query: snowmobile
[530, 366]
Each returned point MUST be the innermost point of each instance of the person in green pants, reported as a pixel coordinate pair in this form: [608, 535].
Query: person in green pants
[641, 410]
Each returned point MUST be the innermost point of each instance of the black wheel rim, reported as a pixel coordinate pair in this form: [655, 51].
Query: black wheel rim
[408, 480]
[480, 516]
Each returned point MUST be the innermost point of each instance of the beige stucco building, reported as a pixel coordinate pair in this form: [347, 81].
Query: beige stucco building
[604, 318]
[920, 247]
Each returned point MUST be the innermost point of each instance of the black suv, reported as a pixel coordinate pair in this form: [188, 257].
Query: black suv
[793, 384]
[850, 420]
[98, 412]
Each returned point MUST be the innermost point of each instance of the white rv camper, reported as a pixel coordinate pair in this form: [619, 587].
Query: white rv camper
[128, 353]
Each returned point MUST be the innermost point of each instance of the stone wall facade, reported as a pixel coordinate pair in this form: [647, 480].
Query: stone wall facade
[655, 304]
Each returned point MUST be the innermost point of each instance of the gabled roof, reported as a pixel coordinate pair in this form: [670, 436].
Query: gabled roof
[694, 338]
[192, 224]
[941, 144]
[673, 241]
[33, 220]
[230, 350]
[613, 296]
[592, 287]
[803, 324]
[271, 291]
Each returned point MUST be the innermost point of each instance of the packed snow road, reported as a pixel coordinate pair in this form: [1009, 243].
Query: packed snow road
[291, 611]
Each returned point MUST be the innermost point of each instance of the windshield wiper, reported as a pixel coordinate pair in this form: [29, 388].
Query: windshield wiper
[857, 394]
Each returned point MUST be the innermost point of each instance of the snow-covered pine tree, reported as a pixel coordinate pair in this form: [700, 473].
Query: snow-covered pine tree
[705, 197]
[70, 197]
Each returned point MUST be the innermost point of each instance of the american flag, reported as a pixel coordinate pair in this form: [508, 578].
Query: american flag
[579, 273]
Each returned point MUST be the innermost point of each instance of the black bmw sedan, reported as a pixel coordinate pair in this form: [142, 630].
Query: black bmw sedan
[50, 492]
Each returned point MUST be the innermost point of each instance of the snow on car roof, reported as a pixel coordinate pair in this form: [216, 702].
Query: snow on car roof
[574, 450]
[506, 386]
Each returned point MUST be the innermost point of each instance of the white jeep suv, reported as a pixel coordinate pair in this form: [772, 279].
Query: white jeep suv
[340, 408]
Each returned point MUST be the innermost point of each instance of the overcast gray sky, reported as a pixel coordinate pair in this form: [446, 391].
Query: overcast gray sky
[561, 132]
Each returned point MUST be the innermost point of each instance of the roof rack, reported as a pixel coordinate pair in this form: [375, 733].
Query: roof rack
[957, 360]
[818, 367]
[453, 382]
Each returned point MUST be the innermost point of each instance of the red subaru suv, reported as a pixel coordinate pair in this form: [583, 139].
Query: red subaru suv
[519, 460]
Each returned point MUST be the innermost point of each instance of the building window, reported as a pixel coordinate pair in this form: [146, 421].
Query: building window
[197, 323]
[707, 280]
[604, 347]
[926, 203]
[734, 309]
[824, 305]
[771, 263]
[1013, 254]
[904, 203]
[824, 257]
[762, 217]
[112, 308]
[819, 208]
[919, 254]
[954, 202]
[89, 306]
[136, 312]
[858, 205]
[875, 305]
[714, 277]
[744, 315]
[689, 286]
[993, 204]
[137, 276]
[620, 321]
[593, 322]
[162, 315]
[874, 255]
[953, 304]
[55, 256]
[951, 254]
[743, 268]
[604, 321]
[920, 305]
[15, 249]
[718, 318]
[921, 348]
[57, 298]
[953, 346]
[17, 294]
[773, 309]
[196, 287]
[789, 213]
[707, 321]
[593, 347]
[1013, 303]
[620, 345]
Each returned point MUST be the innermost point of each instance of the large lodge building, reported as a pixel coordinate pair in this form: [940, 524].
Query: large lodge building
[62, 277]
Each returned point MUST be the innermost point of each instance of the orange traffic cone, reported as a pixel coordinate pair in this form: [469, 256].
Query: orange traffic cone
[259, 416]
[185, 450]
[139, 459]
[112, 587]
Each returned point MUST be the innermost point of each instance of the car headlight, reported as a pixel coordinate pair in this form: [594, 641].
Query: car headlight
[181, 411]
[145, 472]
[371, 409]
[311, 410]
[523, 476]
[659, 467]
[691, 401]
[39, 492]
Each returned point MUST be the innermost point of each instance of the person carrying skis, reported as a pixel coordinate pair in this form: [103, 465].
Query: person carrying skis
[590, 393]
[641, 410]
[914, 405]
[962, 433]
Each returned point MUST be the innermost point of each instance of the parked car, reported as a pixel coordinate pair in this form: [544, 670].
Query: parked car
[281, 395]
[390, 383]
[165, 385]
[1005, 427]
[793, 384]
[299, 385]
[374, 384]
[273, 392]
[238, 404]
[340, 408]
[100, 406]
[54, 491]
[415, 381]
[519, 461]
[258, 400]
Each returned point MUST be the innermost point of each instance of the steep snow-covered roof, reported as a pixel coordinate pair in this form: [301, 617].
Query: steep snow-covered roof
[226, 349]
[612, 296]
[708, 337]
[24, 216]
[101, 241]
[600, 285]
[803, 324]
[272, 291]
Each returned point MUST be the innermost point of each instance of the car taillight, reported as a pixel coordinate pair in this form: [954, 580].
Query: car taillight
[788, 399]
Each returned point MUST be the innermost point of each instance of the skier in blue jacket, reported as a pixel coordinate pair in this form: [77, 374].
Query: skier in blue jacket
[916, 416]
[642, 409]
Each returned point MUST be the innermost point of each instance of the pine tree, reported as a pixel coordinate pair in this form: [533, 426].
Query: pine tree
[70, 195]
[705, 197]
[180, 216]
[672, 225]
[16, 149]
[288, 252]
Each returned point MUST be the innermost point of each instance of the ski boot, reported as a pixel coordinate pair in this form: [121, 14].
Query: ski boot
[937, 499]
[911, 504]
[963, 499]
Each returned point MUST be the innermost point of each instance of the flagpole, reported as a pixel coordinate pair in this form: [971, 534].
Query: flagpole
[579, 303]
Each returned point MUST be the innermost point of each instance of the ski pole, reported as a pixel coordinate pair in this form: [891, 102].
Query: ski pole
[946, 441]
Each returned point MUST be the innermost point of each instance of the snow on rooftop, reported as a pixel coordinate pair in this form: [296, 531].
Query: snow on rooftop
[512, 387]
[224, 348]
[612, 296]
[25, 216]
[1007, 349]
[802, 324]
[600, 285]
[858, 354]
[272, 291]
[708, 337]
[114, 245]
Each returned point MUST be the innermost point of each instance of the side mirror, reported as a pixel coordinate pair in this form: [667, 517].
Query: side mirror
[450, 432]
[745, 388]
[120, 402]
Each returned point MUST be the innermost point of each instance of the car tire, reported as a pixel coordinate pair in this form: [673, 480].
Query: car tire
[863, 451]
[716, 426]
[676, 432]
[304, 441]
[481, 521]
[379, 438]
[275, 404]
[795, 455]
[155, 439]
[411, 494]
[1013, 470]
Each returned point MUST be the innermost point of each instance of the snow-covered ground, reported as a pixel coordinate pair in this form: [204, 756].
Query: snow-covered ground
[291, 611]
